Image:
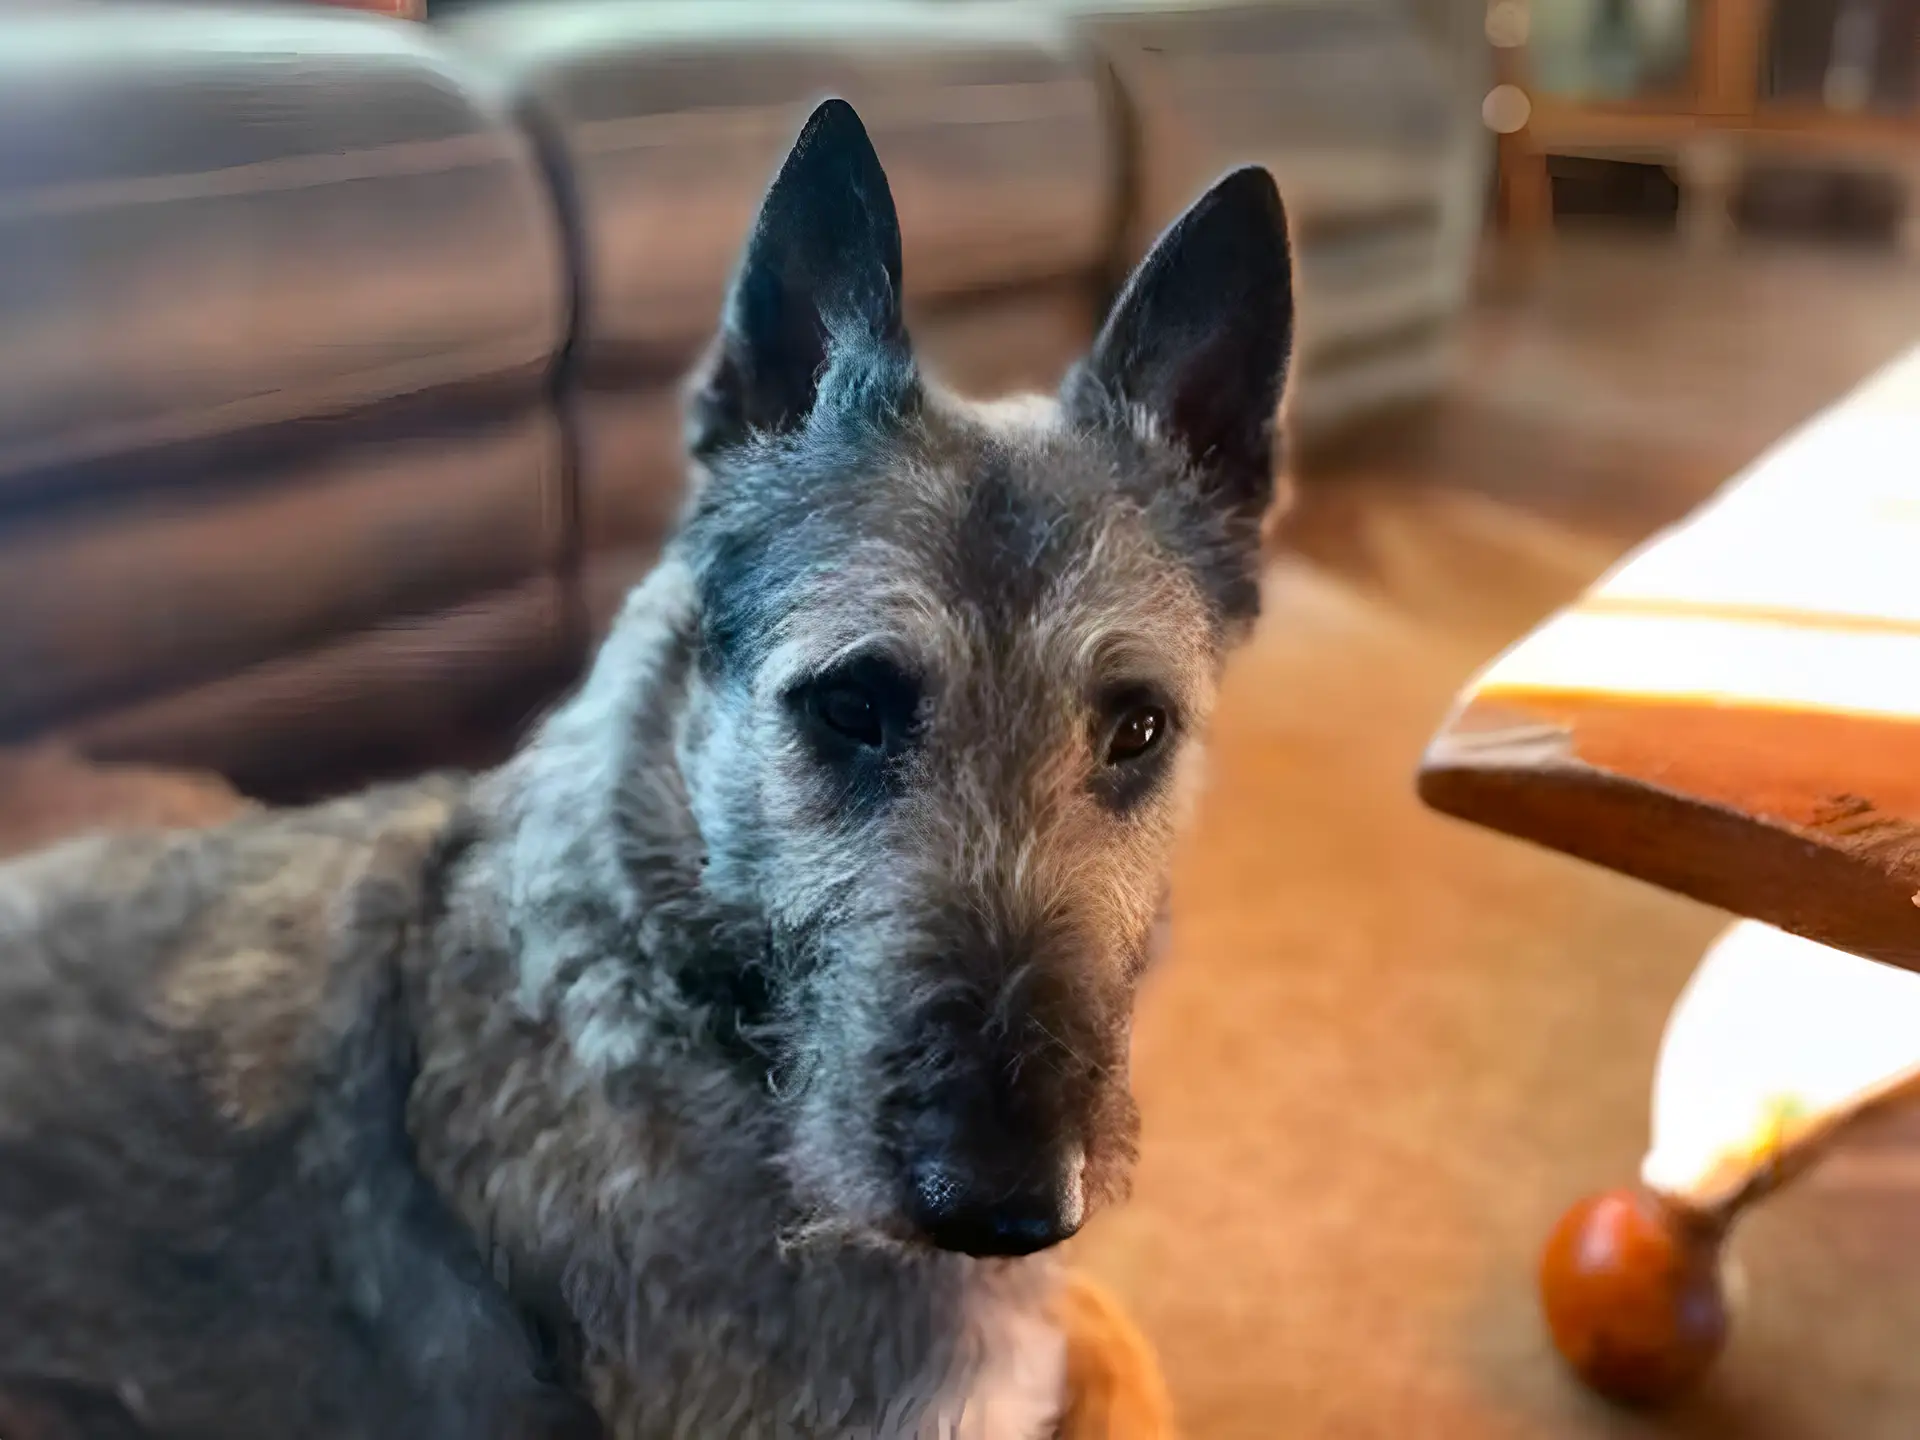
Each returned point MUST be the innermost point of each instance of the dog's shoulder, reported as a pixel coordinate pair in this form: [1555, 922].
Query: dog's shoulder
[233, 957]
[208, 1202]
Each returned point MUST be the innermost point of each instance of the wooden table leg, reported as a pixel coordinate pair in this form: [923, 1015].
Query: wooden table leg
[1775, 1050]
[1910, 216]
[1631, 1290]
[1526, 191]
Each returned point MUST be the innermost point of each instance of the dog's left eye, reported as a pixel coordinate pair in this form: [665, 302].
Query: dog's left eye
[850, 712]
[1138, 730]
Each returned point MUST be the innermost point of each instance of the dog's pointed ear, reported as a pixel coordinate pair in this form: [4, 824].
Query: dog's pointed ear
[1195, 350]
[813, 316]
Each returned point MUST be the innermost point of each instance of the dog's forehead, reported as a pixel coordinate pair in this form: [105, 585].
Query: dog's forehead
[995, 536]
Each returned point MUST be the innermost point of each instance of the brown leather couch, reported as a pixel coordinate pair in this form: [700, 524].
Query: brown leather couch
[339, 356]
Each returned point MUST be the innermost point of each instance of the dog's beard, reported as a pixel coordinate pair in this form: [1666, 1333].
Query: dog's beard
[821, 1231]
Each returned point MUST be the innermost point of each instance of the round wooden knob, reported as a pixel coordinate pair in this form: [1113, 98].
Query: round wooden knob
[1631, 1290]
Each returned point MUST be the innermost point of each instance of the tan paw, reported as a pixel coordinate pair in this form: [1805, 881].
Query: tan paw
[1114, 1386]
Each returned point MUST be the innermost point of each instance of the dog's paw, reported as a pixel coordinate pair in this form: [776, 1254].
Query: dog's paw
[1114, 1386]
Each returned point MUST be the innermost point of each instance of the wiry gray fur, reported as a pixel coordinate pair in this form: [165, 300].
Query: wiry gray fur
[620, 1072]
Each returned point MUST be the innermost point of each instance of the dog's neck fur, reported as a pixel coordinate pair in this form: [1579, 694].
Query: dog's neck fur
[588, 1113]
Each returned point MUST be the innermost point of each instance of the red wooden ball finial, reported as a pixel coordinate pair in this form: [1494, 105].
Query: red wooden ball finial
[1631, 1291]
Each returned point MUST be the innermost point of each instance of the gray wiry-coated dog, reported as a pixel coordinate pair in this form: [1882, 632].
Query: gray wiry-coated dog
[718, 1058]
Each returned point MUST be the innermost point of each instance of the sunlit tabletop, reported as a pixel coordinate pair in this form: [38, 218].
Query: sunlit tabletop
[1734, 712]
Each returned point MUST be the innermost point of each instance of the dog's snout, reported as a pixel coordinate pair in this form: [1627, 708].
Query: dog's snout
[974, 1216]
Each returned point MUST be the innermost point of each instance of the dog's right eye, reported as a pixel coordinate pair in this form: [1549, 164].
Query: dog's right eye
[864, 709]
[850, 713]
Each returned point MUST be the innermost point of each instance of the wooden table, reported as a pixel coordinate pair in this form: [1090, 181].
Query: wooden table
[1734, 713]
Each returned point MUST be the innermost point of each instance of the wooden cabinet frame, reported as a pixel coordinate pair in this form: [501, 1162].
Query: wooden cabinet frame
[1707, 132]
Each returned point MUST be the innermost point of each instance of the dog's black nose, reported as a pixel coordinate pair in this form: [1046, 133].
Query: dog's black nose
[975, 1220]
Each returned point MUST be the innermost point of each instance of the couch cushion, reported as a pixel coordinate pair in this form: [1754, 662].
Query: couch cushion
[213, 220]
[989, 345]
[668, 119]
[1376, 145]
[105, 605]
[397, 697]
[1229, 82]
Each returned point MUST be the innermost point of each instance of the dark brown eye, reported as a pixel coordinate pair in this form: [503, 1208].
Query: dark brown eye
[1139, 730]
[849, 712]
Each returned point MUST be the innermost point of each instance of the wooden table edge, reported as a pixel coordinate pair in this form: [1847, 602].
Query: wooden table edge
[1804, 883]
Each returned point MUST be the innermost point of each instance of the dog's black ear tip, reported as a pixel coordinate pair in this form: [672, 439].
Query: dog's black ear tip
[834, 126]
[1248, 200]
[834, 114]
[1250, 185]
[831, 163]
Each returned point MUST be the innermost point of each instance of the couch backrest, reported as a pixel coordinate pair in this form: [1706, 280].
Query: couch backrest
[663, 122]
[340, 356]
[280, 293]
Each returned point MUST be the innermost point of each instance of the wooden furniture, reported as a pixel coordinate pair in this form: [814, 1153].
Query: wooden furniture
[1718, 122]
[1734, 713]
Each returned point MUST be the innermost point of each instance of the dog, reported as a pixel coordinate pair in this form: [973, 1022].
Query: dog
[727, 1063]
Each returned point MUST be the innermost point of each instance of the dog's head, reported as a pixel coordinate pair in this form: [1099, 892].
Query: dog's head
[955, 665]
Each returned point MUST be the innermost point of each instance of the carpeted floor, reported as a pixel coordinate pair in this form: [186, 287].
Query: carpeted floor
[1389, 1049]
